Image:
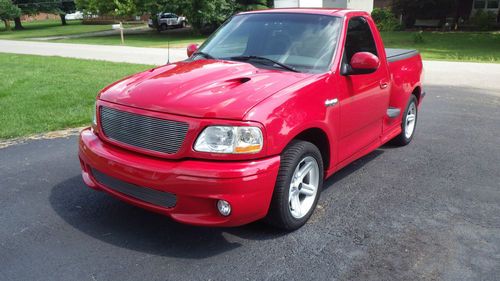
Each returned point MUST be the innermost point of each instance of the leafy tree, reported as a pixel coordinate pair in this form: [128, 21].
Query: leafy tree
[249, 5]
[32, 7]
[65, 7]
[8, 12]
[206, 16]
[484, 20]
[98, 7]
[424, 9]
[203, 15]
[385, 19]
[181, 7]
[27, 8]
[125, 7]
[120, 8]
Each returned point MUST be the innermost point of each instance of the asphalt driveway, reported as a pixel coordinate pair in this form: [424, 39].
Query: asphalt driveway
[427, 211]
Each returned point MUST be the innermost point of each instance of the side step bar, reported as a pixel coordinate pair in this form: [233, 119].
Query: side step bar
[393, 112]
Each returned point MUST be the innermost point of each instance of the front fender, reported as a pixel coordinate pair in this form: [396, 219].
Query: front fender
[296, 109]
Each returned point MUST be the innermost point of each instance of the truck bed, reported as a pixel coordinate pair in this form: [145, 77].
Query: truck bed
[399, 54]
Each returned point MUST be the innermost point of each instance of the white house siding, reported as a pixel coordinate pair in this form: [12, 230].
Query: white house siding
[298, 3]
[486, 5]
[335, 4]
[365, 5]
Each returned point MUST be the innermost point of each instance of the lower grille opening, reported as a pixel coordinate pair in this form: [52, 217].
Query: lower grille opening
[148, 195]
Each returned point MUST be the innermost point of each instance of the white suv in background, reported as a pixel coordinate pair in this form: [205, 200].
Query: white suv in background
[168, 20]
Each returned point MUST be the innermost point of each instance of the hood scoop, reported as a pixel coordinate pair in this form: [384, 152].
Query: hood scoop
[223, 86]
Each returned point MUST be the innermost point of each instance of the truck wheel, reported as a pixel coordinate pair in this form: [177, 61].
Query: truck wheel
[163, 27]
[409, 123]
[183, 24]
[298, 186]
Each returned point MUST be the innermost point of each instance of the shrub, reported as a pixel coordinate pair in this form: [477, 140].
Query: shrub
[418, 38]
[484, 20]
[385, 19]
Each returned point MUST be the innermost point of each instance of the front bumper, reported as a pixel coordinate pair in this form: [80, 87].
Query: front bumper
[197, 185]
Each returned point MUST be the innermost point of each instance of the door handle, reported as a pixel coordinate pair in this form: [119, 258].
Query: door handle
[384, 85]
[331, 102]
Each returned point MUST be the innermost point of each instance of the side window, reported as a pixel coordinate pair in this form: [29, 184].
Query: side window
[359, 38]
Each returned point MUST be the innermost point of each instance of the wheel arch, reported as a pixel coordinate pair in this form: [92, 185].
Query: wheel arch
[320, 139]
[417, 92]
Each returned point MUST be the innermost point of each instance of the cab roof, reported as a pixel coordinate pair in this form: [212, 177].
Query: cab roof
[317, 11]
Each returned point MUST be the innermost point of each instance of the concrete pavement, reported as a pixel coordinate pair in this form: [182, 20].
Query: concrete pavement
[156, 56]
[126, 31]
[462, 74]
[427, 211]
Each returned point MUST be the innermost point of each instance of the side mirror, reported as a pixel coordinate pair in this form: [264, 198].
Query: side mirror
[191, 49]
[361, 63]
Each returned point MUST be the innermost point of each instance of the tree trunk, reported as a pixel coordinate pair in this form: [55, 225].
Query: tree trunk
[7, 24]
[18, 24]
[63, 18]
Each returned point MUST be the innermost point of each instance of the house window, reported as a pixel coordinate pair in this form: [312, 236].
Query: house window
[492, 4]
[479, 4]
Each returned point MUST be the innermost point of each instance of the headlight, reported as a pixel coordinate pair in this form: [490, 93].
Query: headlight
[228, 139]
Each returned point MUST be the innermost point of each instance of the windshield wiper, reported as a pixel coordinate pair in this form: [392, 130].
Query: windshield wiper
[247, 58]
[205, 55]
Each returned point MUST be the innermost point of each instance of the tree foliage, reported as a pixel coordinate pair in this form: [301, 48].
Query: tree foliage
[8, 12]
[249, 5]
[97, 7]
[385, 19]
[201, 14]
[32, 7]
[484, 20]
[424, 9]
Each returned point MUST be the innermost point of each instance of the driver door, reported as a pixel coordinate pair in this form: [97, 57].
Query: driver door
[363, 98]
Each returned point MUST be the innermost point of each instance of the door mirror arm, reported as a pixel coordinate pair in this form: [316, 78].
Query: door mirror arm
[346, 69]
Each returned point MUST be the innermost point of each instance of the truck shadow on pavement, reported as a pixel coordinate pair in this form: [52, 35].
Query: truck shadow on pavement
[107, 219]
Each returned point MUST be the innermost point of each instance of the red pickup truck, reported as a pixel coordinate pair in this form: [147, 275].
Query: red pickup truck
[253, 122]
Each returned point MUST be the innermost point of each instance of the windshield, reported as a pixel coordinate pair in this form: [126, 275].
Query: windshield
[304, 42]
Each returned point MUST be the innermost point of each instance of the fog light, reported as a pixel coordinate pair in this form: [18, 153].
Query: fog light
[224, 207]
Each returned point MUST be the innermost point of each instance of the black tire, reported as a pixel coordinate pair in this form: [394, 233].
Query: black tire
[183, 24]
[163, 27]
[402, 139]
[279, 214]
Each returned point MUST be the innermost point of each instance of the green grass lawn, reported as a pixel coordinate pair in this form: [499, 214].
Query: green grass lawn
[40, 94]
[47, 28]
[452, 46]
[151, 38]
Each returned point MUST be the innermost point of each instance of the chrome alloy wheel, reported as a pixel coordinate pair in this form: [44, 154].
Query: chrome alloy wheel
[411, 119]
[303, 187]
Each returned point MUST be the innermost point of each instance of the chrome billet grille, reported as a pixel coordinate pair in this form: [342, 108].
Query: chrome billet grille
[152, 196]
[146, 132]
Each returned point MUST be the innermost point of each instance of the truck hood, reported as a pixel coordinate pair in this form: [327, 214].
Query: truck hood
[203, 88]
